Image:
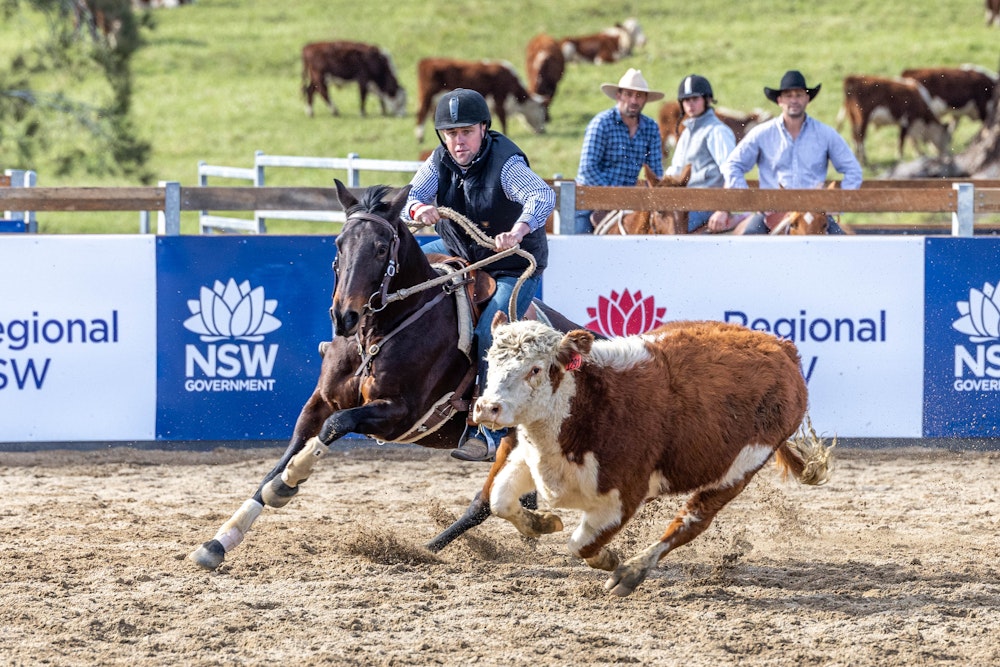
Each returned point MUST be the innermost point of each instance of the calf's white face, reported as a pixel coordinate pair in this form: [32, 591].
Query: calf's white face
[518, 386]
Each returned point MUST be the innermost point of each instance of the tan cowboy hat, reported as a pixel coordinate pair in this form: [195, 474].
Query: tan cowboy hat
[631, 80]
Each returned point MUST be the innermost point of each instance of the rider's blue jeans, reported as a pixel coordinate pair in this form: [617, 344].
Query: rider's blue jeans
[499, 303]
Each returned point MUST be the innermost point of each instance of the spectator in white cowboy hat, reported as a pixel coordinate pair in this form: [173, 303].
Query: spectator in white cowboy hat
[791, 151]
[705, 143]
[620, 140]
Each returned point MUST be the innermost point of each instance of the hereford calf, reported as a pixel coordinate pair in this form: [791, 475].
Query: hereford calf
[602, 427]
[495, 80]
[342, 62]
[876, 101]
[957, 91]
[607, 46]
[545, 64]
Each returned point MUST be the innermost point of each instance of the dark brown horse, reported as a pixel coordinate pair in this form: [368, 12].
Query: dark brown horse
[395, 370]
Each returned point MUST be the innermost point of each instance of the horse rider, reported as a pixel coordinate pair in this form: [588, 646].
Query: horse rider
[792, 151]
[484, 176]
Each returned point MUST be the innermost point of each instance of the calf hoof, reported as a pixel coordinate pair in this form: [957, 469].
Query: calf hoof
[625, 580]
[543, 523]
[209, 555]
[606, 560]
[276, 493]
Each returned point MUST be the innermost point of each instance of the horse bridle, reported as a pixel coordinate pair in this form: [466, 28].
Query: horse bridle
[390, 268]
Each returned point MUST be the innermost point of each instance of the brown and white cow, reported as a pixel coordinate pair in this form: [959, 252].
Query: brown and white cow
[495, 80]
[545, 64]
[607, 46]
[342, 62]
[957, 91]
[877, 101]
[992, 12]
[671, 121]
[604, 426]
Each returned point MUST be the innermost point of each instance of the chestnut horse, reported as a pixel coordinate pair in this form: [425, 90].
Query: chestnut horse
[627, 223]
[395, 371]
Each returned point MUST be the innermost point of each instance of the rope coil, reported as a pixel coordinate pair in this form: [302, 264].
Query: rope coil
[484, 241]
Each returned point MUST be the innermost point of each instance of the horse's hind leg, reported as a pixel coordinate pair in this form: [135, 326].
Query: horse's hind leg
[275, 490]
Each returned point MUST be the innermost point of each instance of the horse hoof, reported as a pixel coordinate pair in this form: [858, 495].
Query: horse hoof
[277, 494]
[209, 555]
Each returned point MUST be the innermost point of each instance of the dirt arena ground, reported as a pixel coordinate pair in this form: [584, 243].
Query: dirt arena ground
[894, 562]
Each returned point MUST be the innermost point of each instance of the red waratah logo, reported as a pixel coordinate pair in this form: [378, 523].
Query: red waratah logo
[625, 315]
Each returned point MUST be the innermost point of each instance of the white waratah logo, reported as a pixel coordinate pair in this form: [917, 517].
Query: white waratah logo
[980, 319]
[232, 311]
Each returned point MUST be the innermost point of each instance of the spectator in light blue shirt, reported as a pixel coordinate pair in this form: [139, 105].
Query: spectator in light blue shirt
[619, 141]
[792, 151]
[704, 144]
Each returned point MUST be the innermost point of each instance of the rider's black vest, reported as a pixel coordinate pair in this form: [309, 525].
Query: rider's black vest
[478, 195]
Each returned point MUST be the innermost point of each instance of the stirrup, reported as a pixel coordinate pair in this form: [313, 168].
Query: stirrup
[476, 447]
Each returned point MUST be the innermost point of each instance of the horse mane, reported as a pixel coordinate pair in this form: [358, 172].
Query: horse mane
[372, 201]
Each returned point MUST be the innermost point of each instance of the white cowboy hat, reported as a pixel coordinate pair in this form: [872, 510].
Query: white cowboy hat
[631, 80]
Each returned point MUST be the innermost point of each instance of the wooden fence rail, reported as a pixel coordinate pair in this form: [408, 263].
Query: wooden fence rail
[963, 200]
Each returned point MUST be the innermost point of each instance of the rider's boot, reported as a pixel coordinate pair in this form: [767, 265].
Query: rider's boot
[478, 443]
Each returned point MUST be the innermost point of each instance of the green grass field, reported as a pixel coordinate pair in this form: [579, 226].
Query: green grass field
[220, 79]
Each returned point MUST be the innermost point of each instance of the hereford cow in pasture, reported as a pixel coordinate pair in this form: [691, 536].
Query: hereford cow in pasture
[671, 122]
[880, 101]
[607, 46]
[545, 65]
[992, 12]
[604, 426]
[957, 91]
[342, 62]
[495, 80]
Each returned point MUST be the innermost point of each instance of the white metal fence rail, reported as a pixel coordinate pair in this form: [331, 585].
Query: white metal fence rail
[353, 164]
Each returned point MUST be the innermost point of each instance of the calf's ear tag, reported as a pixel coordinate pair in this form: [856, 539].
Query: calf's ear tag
[575, 362]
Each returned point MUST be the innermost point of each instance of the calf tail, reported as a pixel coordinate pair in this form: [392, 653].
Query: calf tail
[806, 456]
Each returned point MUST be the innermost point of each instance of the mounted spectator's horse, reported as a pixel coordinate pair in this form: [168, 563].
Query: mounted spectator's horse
[801, 223]
[397, 370]
[627, 223]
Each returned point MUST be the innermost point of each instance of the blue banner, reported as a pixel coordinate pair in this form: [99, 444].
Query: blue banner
[238, 325]
[962, 338]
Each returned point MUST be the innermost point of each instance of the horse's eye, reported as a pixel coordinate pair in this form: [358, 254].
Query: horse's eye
[381, 250]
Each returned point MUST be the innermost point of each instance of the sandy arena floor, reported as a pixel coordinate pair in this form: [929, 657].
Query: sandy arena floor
[895, 562]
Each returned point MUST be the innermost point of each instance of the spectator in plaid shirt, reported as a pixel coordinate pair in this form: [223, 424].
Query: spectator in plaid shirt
[620, 140]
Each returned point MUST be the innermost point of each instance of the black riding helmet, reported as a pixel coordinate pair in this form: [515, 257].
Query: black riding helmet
[694, 85]
[460, 108]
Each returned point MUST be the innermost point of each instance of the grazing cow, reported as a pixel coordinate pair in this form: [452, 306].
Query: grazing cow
[342, 62]
[493, 79]
[740, 122]
[607, 46]
[992, 12]
[957, 91]
[604, 426]
[883, 101]
[545, 65]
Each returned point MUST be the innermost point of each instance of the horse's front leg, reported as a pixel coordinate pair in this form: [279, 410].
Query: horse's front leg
[211, 554]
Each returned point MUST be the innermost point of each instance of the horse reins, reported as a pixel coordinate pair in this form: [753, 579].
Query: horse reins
[386, 298]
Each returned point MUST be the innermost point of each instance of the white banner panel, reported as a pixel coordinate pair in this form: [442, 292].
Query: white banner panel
[854, 306]
[77, 338]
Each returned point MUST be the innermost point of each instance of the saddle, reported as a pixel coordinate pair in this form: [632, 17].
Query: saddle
[479, 285]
